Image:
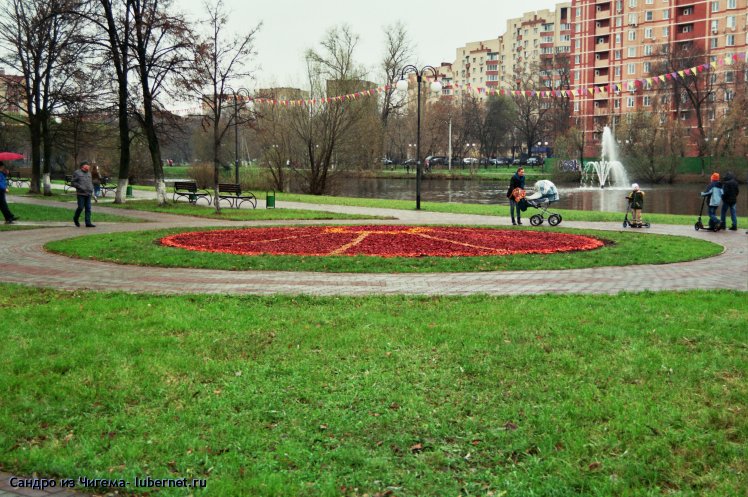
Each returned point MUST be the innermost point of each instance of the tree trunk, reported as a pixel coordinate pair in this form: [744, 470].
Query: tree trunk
[36, 146]
[119, 196]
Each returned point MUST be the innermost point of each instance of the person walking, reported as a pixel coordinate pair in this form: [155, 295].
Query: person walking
[9, 217]
[714, 192]
[730, 192]
[96, 179]
[517, 181]
[84, 189]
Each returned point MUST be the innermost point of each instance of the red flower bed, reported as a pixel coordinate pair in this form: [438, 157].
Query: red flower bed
[382, 241]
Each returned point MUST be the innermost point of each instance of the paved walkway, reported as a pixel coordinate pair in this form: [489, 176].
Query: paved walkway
[24, 261]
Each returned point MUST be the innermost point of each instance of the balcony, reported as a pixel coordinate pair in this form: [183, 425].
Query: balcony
[602, 63]
[602, 2]
[602, 111]
[602, 31]
[601, 95]
[601, 79]
[602, 14]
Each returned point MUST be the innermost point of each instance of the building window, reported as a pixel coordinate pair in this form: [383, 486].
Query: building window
[729, 95]
[632, 35]
[666, 14]
[618, 38]
[618, 54]
[565, 38]
[647, 67]
[715, 6]
[619, 22]
[616, 104]
[649, 2]
[713, 42]
[632, 52]
[647, 50]
[729, 77]
[712, 114]
[715, 25]
[687, 28]
[648, 33]
[577, 43]
[617, 71]
[730, 40]
[687, 11]
[731, 4]
[666, 31]
[631, 69]
[630, 102]
[684, 115]
[633, 18]
[579, 12]
[632, 3]
[649, 16]
[576, 59]
[731, 22]
[647, 101]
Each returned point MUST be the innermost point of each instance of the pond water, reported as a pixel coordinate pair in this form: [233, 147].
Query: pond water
[666, 199]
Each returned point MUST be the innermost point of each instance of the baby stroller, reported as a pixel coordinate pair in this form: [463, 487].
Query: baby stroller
[545, 194]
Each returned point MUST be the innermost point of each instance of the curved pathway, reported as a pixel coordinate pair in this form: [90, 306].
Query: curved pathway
[24, 261]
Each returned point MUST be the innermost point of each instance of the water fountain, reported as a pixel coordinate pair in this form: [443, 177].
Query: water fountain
[608, 171]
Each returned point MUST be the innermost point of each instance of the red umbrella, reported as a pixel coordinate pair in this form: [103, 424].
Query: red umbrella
[10, 156]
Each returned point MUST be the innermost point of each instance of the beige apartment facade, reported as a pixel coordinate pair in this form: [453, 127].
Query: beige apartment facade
[530, 42]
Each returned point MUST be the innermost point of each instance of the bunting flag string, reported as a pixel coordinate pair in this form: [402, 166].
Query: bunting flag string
[614, 88]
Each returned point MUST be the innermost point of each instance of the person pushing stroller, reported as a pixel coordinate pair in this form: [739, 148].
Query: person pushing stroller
[636, 204]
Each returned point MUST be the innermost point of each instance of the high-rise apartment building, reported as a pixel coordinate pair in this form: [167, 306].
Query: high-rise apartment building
[483, 67]
[617, 44]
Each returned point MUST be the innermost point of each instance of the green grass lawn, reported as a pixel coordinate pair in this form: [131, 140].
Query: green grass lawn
[627, 248]
[186, 209]
[42, 213]
[629, 395]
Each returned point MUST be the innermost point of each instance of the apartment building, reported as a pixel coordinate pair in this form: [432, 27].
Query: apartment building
[484, 67]
[617, 44]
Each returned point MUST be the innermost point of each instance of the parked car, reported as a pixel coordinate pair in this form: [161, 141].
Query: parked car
[435, 160]
[535, 161]
[469, 160]
[520, 161]
[409, 162]
[386, 161]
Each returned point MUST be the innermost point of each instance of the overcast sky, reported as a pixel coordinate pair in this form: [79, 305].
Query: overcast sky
[290, 27]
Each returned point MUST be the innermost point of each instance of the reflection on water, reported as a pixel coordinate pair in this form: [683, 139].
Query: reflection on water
[667, 199]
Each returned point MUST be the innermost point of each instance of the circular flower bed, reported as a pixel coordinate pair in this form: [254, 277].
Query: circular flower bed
[382, 241]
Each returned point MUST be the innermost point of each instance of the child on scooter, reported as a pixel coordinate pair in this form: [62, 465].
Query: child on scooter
[636, 204]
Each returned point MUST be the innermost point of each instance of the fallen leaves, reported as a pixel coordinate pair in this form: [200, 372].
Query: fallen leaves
[381, 241]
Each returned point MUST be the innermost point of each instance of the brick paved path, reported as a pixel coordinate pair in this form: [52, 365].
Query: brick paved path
[24, 261]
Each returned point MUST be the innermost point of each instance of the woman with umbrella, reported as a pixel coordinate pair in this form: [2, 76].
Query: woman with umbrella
[9, 217]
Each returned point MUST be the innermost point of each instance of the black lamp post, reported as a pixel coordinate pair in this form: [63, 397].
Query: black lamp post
[237, 95]
[402, 85]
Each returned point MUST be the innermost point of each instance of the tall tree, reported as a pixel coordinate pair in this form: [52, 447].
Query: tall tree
[220, 60]
[39, 39]
[325, 130]
[160, 51]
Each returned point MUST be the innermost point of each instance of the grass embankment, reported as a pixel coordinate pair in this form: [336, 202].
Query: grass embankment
[42, 213]
[282, 396]
[142, 248]
[186, 209]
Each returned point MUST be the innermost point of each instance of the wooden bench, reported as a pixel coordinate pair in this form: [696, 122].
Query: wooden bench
[232, 193]
[15, 179]
[189, 190]
[106, 187]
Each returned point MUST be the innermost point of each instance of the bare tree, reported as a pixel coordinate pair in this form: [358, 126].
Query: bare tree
[532, 112]
[40, 40]
[220, 60]
[160, 50]
[325, 130]
[689, 92]
[397, 52]
[652, 145]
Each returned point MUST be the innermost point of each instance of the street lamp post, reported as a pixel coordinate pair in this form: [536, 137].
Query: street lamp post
[237, 95]
[402, 85]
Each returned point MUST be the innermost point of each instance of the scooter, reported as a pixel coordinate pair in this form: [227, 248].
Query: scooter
[626, 221]
[698, 225]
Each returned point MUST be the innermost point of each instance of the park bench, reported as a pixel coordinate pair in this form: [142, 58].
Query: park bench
[232, 193]
[189, 190]
[106, 186]
[15, 179]
[68, 183]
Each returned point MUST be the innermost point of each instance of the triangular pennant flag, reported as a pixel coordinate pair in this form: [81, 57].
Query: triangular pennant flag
[591, 91]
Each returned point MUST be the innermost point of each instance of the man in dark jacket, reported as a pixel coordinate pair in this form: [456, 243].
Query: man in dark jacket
[9, 217]
[730, 192]
[83, 189]
[517, 181]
